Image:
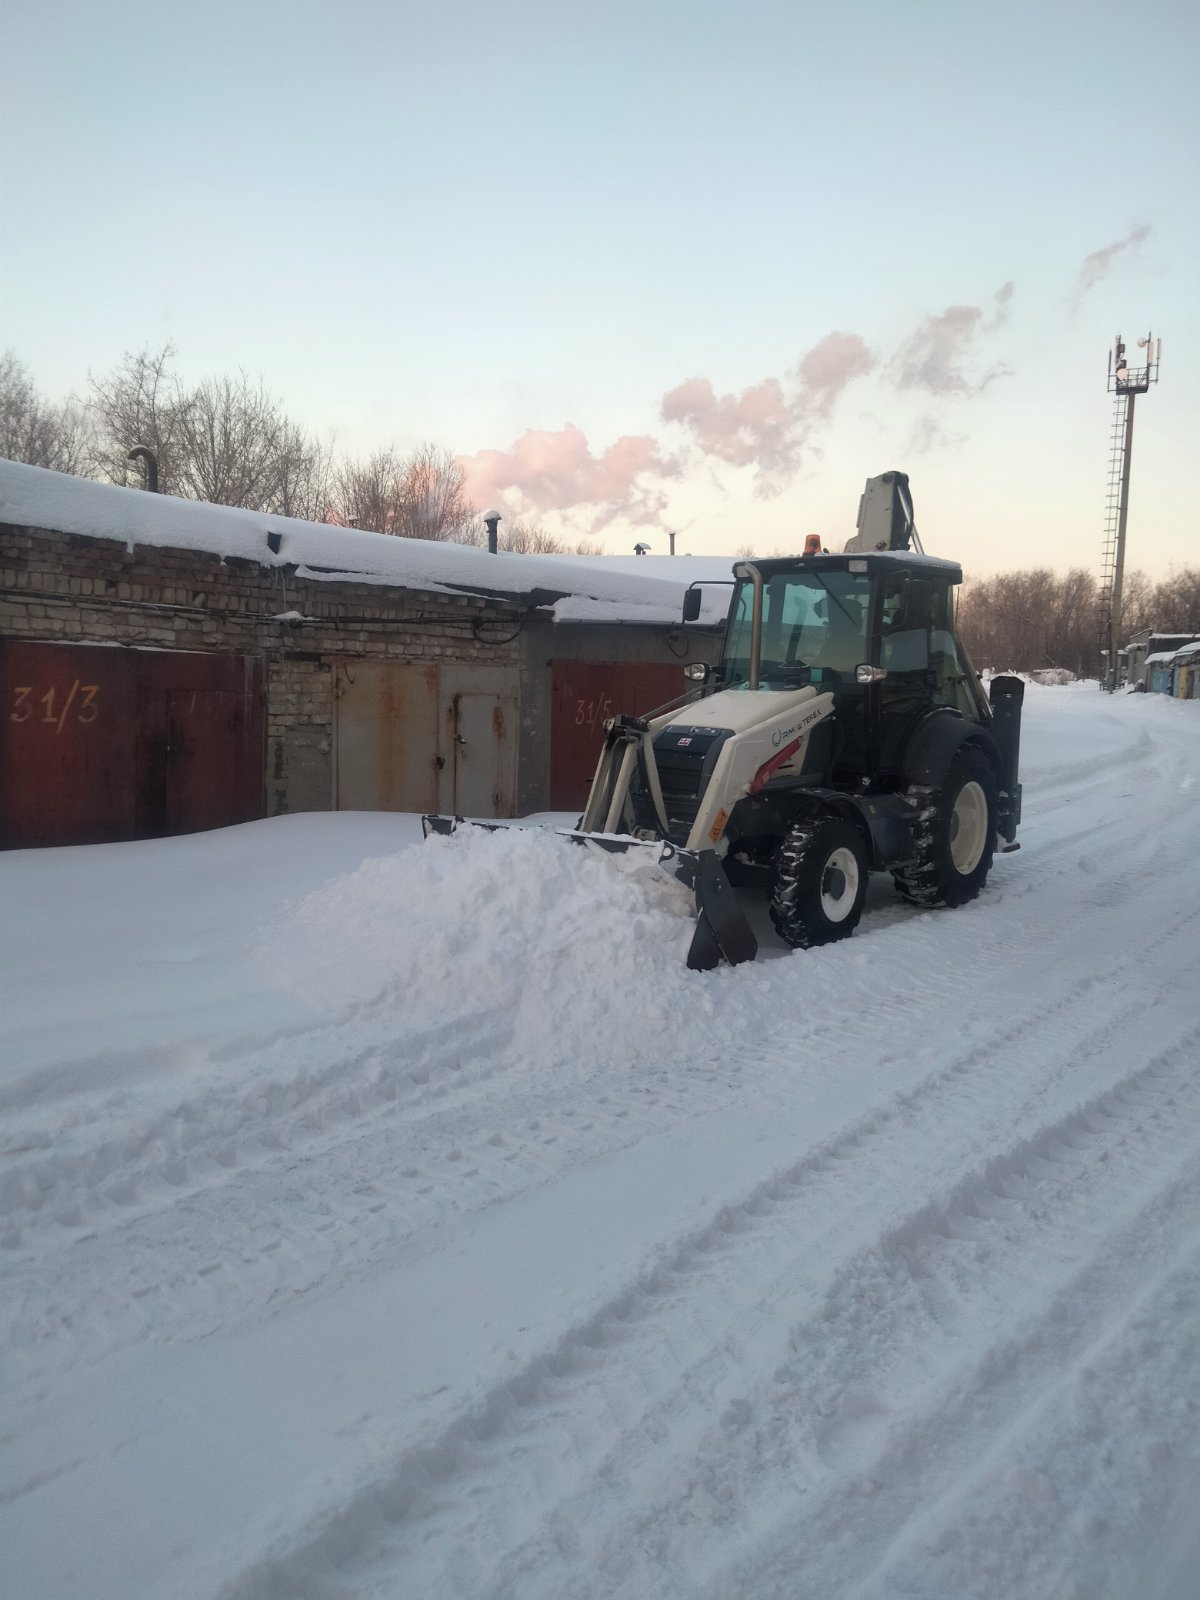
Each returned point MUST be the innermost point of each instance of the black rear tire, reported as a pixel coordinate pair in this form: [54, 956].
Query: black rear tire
[954, 835]
[818, 882]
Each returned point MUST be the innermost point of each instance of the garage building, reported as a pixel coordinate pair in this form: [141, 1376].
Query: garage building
[168, 666]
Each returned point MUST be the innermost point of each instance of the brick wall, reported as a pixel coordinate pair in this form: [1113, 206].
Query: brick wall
[67, 588]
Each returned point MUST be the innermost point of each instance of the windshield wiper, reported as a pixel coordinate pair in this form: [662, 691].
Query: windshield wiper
[833, 597]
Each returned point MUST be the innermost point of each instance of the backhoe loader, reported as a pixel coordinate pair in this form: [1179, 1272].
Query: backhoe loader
[844, 731]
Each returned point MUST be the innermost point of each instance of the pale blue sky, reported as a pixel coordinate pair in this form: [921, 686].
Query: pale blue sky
[465, 221]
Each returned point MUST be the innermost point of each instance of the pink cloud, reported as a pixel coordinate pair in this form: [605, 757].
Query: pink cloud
[740, 429]
[558, 471]
[765, 427]
[826, 369]
[937, 355]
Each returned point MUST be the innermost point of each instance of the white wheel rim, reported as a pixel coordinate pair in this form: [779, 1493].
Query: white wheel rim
[968, 828]
[839, 884]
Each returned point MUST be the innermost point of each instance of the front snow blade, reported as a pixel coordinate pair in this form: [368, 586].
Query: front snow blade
[439, 825]
[722, 932]
[615, 843]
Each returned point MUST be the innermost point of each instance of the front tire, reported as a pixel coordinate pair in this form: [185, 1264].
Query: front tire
[818, 882]
[954, 835]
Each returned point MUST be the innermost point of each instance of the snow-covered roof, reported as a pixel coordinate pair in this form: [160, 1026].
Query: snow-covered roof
[1160, 657]
[579, 588]
[1190, 649]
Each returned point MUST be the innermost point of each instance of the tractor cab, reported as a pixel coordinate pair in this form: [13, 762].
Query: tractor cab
[875, 630]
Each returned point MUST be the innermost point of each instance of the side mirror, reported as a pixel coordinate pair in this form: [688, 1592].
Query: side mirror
[869, 674]
[691, 605]
[697, 671]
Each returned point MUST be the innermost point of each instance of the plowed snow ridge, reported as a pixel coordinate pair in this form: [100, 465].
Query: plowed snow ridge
[440, 1235]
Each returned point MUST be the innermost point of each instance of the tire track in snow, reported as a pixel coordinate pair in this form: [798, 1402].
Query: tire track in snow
[271, 1236]
[836, 1458]
[887, 1394]
[1060, 1492]
[1069, 779]
[187, 1144]
[1032, 1251]
[468, 1489]
[386, 1166]
[191, 1144]
[628, 1419]
[282, 1227]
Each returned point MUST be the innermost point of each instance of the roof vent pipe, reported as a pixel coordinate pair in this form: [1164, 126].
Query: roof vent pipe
[142, 452]
[491, 521]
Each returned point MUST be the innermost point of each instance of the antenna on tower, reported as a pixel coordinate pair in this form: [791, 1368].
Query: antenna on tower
[1125, 383]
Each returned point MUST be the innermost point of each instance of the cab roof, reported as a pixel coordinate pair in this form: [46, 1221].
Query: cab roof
[874, 562]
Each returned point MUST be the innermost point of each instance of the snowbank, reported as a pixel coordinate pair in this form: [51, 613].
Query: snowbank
[35, 497]
[383, 1217]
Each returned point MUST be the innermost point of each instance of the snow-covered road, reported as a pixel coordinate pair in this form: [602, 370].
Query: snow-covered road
[391, 1221]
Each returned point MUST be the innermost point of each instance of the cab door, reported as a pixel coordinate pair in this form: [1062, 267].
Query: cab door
[916, 651]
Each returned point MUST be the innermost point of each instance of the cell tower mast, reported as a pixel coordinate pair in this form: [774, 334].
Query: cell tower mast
[1125, 383]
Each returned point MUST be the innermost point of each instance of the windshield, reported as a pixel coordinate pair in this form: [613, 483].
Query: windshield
[814, 629]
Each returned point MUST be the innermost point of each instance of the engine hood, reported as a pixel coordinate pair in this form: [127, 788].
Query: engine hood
[740, 709]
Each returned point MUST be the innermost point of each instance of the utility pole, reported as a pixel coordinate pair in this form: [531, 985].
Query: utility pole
[1126, 383]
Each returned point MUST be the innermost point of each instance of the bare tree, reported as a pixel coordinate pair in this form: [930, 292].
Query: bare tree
[1137, 602]
[139, 402]
[227, 440]
[35, 430]
[520, 537]
[433, 498]
[236, 446]
[366, 494]
[1177, 602]
[530, 538]
[1032, 619]
[305, 477]
[422, 496]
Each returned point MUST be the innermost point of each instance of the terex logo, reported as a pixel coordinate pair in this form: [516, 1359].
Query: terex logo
[781, 735]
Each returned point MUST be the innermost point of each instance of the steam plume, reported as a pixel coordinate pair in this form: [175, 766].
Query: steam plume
[765, 426]
[1097, 265]
[938, 353]
[557, 471]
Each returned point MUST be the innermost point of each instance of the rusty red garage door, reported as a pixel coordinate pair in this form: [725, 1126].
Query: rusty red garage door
[584, 695]
[99, 745]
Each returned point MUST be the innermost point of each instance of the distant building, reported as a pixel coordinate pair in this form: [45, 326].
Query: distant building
[1160, 672]
[1149, 654]
[1132, 658]
[1187, 671]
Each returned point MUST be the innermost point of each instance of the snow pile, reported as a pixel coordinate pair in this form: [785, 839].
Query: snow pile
[577, 953]
[1053, 677]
